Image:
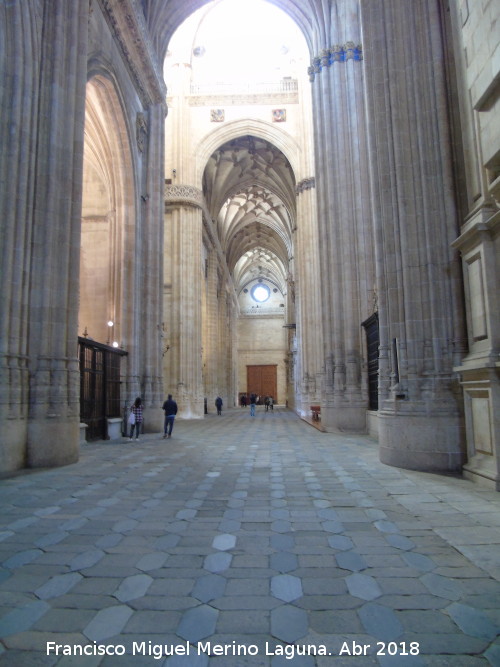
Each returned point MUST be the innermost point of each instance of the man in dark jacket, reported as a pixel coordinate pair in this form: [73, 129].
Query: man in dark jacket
[170, 410]
[218, 405]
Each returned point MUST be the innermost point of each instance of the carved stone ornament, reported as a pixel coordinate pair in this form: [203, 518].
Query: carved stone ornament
[305, 184]
[186, 194]
[141, 131]
[129, 27]
[338, 53]
[217, 115]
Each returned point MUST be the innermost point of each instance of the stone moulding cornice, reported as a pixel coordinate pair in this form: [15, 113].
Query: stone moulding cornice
[129, 28]
[239, 100]
[339, 53]
[305, 184]
[185, 194]
[482, 226]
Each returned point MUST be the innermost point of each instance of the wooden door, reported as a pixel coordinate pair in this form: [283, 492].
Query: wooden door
[263, 381]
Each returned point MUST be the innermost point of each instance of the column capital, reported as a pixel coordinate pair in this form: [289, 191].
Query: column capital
[338, 53]
[305, 184]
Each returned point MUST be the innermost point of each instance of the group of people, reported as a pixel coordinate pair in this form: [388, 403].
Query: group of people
[170, 410]
[135, 419]
[256, 400]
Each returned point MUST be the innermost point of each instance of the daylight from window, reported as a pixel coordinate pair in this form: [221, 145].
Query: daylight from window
[238, 40]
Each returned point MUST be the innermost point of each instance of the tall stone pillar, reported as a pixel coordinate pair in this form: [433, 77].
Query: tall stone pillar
[183, 312]
[230, 345]
[415, 221]
[18, 137]
[342, 186]
[225, 340]
[308, 301]
[53, 434]
[152, 270]
[211, 348]
[44, 47]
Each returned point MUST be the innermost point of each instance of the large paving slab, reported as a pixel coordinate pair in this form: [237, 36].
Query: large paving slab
[247, 542]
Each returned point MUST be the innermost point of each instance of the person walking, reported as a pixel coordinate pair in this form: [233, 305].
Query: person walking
[218, 405]
[135, 419]
[253, 401]
[271, 402]
[170, 410]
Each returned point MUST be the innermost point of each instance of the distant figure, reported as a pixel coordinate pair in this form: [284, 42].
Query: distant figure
[170, 410]
[266, 402]
[243, 400]
[135, 419]
[218, 405]
[253, 401]
[271, 402]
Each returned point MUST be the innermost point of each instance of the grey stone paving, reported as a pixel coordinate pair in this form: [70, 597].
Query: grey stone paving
[244, 542]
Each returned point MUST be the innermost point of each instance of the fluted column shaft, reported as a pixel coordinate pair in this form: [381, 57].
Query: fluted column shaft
[415, 222]
[152, 270]
[183, 252]
[309, 311]
[18, 135]
[343, 217]
[41, 171]
[211, 347]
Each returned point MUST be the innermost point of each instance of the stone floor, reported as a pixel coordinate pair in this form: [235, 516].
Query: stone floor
[246, 541]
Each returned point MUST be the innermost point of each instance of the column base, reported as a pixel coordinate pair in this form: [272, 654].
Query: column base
[347, 419]
[52, 443]
[154, 420]
[13, 445]
[483, 470]
[425, 442]
[191, 409]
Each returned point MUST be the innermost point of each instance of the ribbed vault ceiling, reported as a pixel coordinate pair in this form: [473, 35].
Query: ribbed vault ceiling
[248, 183]
[249, 187]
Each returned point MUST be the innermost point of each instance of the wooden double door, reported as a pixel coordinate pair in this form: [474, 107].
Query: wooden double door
[263, 381]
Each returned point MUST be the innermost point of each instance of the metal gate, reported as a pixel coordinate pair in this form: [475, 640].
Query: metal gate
[99, 386]
[372, 344]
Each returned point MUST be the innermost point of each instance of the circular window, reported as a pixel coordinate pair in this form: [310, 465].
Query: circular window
[260, 293]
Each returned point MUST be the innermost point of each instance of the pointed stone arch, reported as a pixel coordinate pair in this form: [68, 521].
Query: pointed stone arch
[255, 127]
[108, 216]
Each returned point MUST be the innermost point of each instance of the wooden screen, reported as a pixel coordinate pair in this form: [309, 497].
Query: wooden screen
[262, 381]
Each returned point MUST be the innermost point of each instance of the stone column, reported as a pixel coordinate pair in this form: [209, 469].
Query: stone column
[308, 300]
[152, 271]
[415, 221]
[224, 342]
[211, 343]
[183, 313]
[342, 185]
[231, 347]
[20, 83]
[53, 433]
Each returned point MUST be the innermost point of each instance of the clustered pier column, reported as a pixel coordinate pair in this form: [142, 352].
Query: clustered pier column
[342, 185]
[414, 224]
